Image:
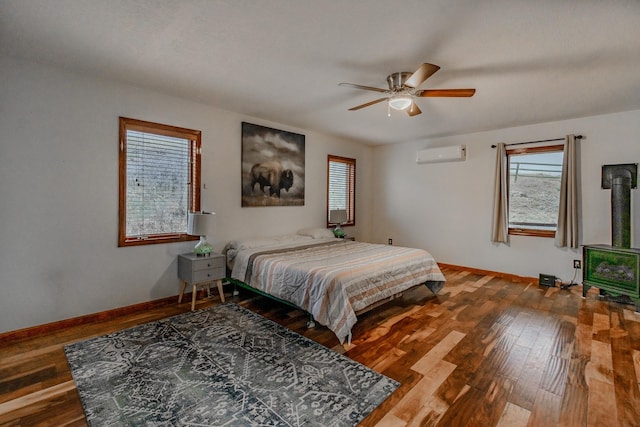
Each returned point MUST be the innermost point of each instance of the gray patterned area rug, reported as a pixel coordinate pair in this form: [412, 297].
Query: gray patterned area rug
[221, 366]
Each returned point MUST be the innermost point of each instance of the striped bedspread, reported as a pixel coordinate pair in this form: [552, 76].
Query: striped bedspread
[334, 279]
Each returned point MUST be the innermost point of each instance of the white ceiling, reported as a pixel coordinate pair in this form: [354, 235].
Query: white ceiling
[531, 61]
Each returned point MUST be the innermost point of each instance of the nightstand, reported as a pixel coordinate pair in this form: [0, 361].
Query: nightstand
[200, 271]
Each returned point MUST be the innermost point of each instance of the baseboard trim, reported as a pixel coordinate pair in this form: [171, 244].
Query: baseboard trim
[48, 328]
[508, 276]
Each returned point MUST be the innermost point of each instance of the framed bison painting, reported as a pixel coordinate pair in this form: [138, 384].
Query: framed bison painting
[272, 167]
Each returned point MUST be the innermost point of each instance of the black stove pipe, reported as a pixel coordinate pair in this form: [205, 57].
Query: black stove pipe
[621, 210]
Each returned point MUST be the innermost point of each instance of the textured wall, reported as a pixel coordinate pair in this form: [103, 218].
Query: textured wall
[446, 207]
[59, 192]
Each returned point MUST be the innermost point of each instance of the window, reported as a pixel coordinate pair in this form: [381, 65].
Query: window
[534, 190]
[159, 182]
[341, 187]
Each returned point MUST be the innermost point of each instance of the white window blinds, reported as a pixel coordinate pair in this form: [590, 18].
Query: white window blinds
[157, 184]
[341, 186]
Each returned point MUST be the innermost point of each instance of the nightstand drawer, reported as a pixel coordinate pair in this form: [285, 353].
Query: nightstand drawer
[208, 262]
[200, 271]
[210, 274]
[193, 269]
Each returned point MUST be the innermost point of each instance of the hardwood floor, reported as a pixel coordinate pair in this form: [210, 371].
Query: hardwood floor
[486, 352]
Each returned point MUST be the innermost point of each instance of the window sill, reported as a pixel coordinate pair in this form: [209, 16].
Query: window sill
[530, 232]
[152, 240]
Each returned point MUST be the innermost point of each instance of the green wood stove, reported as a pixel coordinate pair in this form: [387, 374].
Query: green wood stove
[615, 269]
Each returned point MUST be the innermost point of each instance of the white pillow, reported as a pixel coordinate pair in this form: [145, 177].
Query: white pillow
[251, 243]
[317, 233]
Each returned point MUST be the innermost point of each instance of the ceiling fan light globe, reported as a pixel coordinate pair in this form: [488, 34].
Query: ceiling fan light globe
[400, 102]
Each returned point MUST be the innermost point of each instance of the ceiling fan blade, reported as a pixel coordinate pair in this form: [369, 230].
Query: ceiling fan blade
[367, 104]
[413, 110]
[423, 73]
[375, 89]
[458, 93]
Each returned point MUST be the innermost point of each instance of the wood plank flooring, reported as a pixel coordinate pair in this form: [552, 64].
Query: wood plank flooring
[486, 352]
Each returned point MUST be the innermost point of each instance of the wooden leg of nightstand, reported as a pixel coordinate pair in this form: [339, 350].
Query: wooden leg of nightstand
[184, 285]
[220, 290]
[193, 297]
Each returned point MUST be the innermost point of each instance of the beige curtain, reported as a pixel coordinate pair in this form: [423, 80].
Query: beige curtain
[500, 221]
[567, 232]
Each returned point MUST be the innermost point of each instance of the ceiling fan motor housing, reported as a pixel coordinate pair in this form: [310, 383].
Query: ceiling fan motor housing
[396, 80]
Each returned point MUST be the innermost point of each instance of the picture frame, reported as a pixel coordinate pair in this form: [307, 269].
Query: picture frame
[273, 167]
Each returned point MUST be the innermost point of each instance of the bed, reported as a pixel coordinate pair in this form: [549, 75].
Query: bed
[332, 279]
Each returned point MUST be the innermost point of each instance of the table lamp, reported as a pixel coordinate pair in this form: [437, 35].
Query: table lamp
[338, 217]
[197, 225]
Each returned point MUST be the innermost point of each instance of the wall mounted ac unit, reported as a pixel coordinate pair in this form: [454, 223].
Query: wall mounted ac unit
[453, 153]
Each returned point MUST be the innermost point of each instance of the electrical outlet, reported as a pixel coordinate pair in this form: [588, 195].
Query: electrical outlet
[390, 241]
[577, 263]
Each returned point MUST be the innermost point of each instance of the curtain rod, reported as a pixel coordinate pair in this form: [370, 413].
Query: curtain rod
[533, 142]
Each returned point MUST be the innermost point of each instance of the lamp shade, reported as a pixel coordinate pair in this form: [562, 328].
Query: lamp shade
[337, 216]
[198, 223]
[400, 102]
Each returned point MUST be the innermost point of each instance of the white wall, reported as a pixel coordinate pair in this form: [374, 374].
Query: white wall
[59, 192]
[446, 207]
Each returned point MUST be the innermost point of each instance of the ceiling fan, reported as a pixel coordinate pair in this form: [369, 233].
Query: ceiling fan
[401, 93]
